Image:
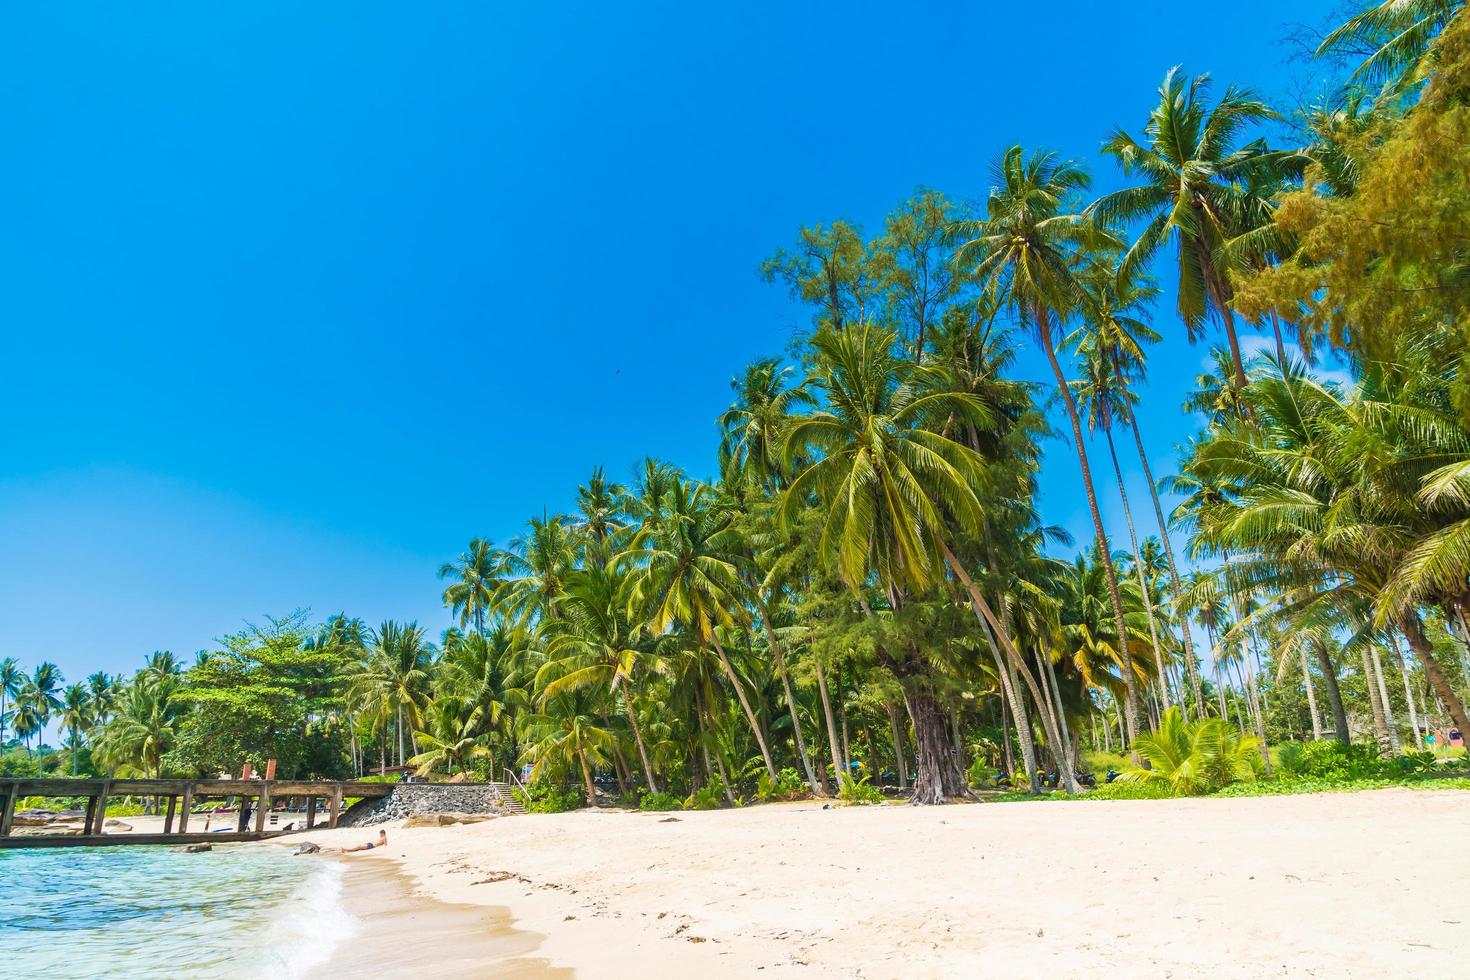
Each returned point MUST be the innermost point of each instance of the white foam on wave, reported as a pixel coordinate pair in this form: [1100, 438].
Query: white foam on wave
[311, 925]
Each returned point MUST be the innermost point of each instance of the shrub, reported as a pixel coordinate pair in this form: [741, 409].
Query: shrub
[788, 785]
[1328, 760]
[541, 797]
[710, 796]
[1196, 756]
[859, 792]
[659, 802]
[1130, 790]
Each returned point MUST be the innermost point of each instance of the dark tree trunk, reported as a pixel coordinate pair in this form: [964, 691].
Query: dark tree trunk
[939, 778]
[1414, 630]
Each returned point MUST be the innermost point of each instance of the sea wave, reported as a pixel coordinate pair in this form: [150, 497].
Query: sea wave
[306, 931]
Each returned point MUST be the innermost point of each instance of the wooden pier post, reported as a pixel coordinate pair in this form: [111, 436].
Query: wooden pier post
[336, 806]
[188, 805]
[261, 805]
[168, 816]
[98, 812]
[310, 811]
[7, 809]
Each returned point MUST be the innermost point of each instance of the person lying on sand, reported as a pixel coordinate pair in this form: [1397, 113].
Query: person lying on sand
[382, 841]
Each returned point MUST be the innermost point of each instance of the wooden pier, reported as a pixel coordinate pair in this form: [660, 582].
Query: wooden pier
[181, 796]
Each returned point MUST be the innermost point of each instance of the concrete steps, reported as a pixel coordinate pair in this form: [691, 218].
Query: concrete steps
[505, 793]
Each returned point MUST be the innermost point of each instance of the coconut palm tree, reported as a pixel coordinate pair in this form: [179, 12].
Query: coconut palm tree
[752, 428]
[1195, 176]
[591, 644]
[11, 679]
[474, 577]
[143, 729]
[567, 732]
[893, 494]
[393, 681]
[1031, 243]
[1396, 35]
[76, 715]
[600, 518]
[686, 575]
[102, 690]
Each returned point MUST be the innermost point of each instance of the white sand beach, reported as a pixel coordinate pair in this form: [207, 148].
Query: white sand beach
[1355, 885]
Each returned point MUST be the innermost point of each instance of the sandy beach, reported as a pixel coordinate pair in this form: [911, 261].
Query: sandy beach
[1362, 884]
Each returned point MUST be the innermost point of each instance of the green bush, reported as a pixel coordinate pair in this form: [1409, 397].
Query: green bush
[710, 796]
[859, 792]
[1195, 756]
[659, 802]
[539, 797]
[1329, 760]
[1130, 790]
[788, 785]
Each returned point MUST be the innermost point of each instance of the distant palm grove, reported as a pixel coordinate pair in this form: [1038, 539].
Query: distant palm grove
[866, 593]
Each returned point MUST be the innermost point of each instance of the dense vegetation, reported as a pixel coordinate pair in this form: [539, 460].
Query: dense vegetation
[867, 592]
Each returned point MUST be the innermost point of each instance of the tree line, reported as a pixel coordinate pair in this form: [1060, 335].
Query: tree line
[867, 588]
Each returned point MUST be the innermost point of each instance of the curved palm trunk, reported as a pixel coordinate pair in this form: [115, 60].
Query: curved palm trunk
[1380, 721]
[779, 657]
[1334, 694]
[1220, 292]
[1414, 629]
[755, 727]
[1148, 605]
[587, 784]
[986, 615]
[1311, 698]
[637, 734]
[1056, 690]
[1189, 658]
[1130, 707]
[900, 767]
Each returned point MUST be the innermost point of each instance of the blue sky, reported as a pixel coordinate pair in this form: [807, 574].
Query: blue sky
[298, 298]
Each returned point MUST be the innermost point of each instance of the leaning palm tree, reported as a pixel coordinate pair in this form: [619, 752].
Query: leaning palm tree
[473, 582]
[1030, 242]
[896, 498]
[1194, 190]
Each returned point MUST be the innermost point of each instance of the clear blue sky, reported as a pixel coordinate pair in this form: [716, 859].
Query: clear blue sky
[298, 298]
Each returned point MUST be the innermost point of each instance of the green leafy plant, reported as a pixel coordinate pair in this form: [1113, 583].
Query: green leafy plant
[788, 785]
[544, 797]
[860, 792]
[1196, 757]
[659, 802]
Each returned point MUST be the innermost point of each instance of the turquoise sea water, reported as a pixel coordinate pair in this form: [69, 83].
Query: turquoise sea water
[151, 912]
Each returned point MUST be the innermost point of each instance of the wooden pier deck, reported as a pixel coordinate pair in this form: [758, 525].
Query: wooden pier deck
[181, 796]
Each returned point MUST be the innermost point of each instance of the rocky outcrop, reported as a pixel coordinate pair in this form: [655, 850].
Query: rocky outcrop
[409, 800]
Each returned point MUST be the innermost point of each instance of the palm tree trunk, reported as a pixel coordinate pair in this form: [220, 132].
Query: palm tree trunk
[901, 767]
[1220, 292]
[837, 766]
[755, 727]
[1409, 697]
[1311, 699]
[1056, 691]
[986, 615]
[1148, 605]
[587, 783]
[399, 727]
[1334, 694]
[778, 655]
[1414, 629]
[1393, 735]
[1380, 723]
[637, 735]
[1130, 707]
[1189, 659]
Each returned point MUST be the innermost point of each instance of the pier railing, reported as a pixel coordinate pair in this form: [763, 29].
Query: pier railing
[181, 796]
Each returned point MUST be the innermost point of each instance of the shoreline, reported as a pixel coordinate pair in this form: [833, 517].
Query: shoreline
[1340, 884]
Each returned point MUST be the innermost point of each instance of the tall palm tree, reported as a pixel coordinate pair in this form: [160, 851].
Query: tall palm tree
[44, 691]
[590, 644]
[145, 725]
[474, 576]
[752, 428]
[102, 689]
[893, 493]
[1194, 191]
[394, 679]
[1031, 243]
[568, 732]
[76, 714]
[11, 679]
[601, 508]
[686, 575]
